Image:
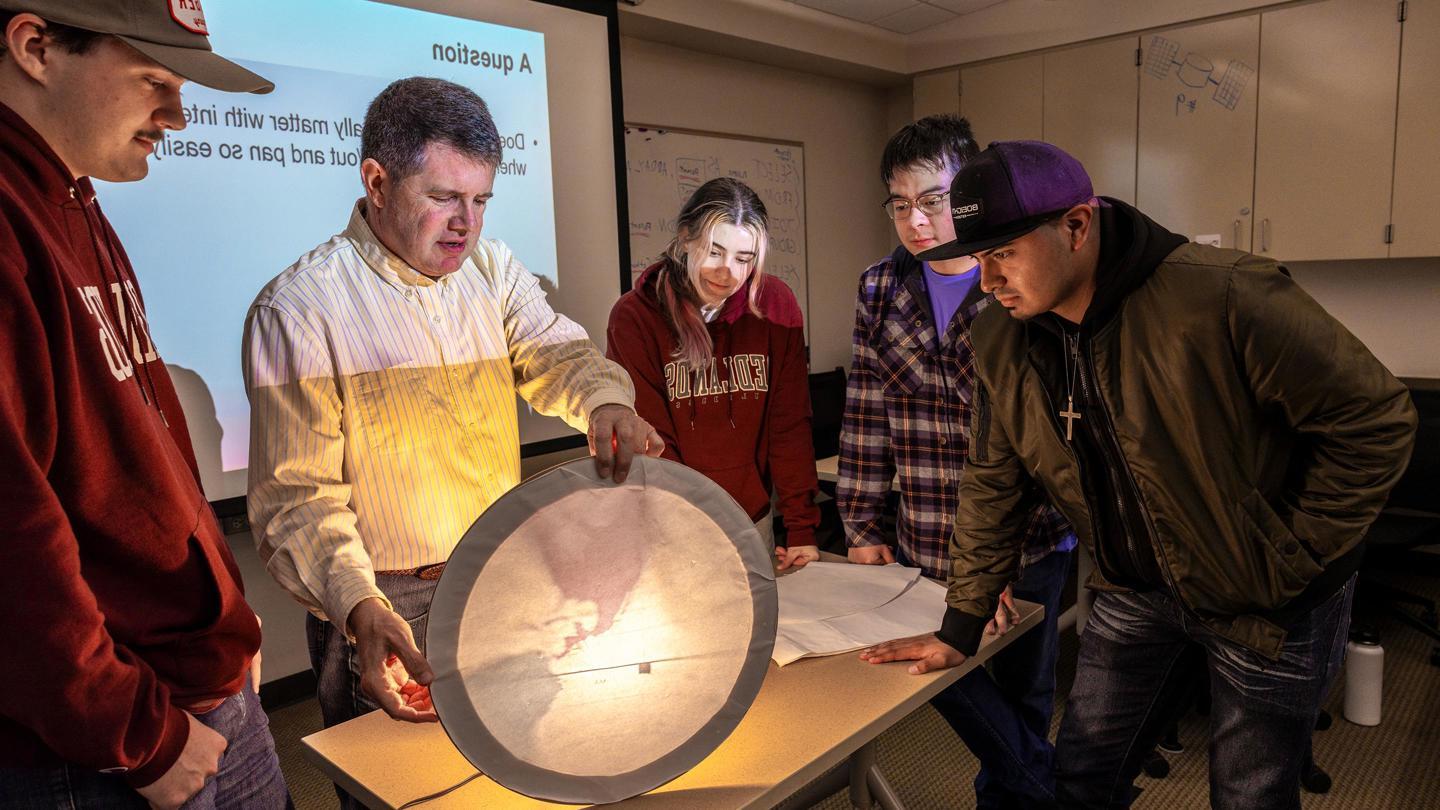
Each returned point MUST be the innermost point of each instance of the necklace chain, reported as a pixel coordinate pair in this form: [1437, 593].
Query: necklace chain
[1072, 364]
[1072, 342]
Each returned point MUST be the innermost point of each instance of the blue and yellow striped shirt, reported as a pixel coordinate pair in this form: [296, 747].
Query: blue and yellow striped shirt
[383, 417]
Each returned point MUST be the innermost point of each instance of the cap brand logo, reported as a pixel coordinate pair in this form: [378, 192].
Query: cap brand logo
[968, 207]
[189, 15]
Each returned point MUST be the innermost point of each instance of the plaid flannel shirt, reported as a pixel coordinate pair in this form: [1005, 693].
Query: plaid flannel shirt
[907, 410]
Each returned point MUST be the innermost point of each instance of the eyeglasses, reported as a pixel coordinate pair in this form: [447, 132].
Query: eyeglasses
[929, 205]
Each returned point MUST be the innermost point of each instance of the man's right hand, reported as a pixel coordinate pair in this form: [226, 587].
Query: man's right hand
[871, 555]
[927, 651]
[199, 760]
[392, 671]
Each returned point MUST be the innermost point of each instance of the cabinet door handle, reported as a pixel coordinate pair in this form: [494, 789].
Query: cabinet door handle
[1264, 234]
[1236, 244]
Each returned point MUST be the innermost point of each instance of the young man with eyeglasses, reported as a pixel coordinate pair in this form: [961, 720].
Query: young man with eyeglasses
[907, 410]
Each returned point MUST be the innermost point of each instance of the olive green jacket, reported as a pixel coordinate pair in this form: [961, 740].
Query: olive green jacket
[1261, 436]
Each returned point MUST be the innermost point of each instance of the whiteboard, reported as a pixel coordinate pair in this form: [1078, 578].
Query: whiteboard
[665, 166]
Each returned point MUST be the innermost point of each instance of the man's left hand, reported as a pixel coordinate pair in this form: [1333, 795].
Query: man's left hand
[1005, 615]
[616, 435]
[927, 651]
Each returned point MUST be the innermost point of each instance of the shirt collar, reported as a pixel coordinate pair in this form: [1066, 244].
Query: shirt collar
[391, 269]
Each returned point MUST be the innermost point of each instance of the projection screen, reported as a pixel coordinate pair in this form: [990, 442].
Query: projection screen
[253, 182]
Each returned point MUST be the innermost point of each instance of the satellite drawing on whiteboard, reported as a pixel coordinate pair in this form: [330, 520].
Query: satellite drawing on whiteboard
[1196, 71]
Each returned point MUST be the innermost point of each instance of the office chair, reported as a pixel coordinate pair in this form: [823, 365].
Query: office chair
[1410, 519]
[827, 407]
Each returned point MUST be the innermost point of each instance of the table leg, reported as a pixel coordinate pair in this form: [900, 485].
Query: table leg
[860, 764]
[881, 790]
[867, 782]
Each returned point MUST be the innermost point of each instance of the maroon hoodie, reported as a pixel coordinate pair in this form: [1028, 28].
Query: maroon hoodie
[745, 420]
[120, 599]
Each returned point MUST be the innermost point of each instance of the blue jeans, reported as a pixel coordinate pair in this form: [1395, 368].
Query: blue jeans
[332, 656]
[1003, 715]
[249, 775]
[1140, 651]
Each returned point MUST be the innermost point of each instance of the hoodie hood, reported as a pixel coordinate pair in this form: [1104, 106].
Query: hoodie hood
[1132, 245]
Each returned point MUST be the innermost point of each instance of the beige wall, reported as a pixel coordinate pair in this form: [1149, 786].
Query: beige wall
[937, 93]
[843, 127]
[900, 111]
[1392, 305]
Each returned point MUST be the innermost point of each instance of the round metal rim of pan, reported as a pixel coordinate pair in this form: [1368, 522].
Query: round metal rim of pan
[460, 719]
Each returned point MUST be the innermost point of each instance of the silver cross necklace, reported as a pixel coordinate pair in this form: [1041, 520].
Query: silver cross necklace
[1070, 414]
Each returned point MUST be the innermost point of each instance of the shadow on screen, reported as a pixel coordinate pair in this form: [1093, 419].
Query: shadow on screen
[205, 430]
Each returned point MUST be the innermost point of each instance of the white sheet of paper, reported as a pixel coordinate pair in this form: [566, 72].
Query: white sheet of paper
[919, 609]
[823, 590]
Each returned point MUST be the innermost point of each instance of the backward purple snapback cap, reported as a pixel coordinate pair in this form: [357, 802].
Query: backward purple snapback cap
[1007, 191]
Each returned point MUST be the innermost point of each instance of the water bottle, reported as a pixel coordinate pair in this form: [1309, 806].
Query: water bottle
[1364, 677]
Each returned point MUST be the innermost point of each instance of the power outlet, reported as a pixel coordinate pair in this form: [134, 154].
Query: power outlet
[235, 524]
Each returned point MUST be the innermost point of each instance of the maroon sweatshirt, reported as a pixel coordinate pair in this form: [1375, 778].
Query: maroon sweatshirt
[120, 599]
[744, 421]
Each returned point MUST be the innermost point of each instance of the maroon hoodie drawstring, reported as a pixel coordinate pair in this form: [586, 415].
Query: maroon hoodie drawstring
[729, 384]
[720, 345]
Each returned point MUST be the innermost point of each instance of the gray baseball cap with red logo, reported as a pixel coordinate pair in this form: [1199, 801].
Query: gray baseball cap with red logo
[1007, 191]
[172, 32]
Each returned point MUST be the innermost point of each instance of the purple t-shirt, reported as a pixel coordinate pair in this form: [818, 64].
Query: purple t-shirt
[947, 293]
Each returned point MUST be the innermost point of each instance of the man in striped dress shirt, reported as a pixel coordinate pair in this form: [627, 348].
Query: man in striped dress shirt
[382, 369]
[907, 412]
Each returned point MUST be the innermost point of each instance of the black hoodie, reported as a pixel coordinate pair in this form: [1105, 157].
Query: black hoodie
[1131, 247]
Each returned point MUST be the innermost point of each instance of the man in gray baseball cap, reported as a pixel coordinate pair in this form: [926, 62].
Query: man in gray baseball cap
[136, 655]
[172, 32]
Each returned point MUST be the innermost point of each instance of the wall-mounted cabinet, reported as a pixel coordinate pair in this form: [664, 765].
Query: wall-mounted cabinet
[1417, 137]
[1325, 142]
[1089, 111]
[1002, 100]
[1280, 132]
[1195, 171]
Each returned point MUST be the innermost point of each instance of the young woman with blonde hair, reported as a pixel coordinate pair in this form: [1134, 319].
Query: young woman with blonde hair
[717, 352]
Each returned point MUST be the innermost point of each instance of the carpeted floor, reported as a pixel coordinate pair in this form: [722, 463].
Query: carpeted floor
[1395, 766]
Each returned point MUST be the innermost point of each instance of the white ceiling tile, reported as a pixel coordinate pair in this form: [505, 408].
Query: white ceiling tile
[861, 10]
[914, 19]
[964, 6]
